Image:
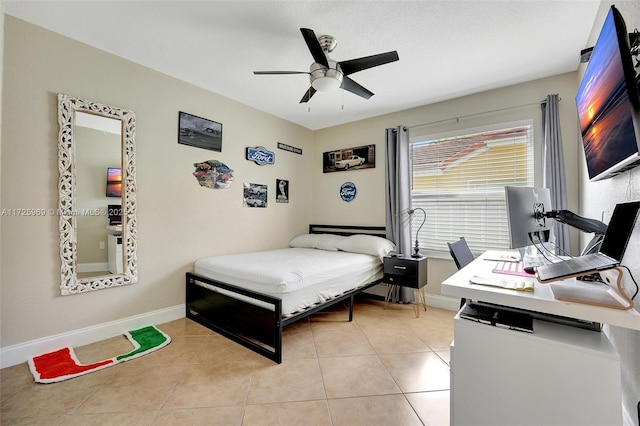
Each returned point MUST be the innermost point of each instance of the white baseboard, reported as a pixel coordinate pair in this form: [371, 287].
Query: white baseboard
[435, 300]
[443, 302]
[16, 354]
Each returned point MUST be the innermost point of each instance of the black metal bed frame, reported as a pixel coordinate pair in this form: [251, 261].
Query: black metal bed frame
[257, 323]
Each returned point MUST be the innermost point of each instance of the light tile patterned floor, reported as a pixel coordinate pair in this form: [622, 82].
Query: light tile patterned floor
[387, 367]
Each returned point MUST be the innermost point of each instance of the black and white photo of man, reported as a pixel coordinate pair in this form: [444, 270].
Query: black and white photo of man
[283, 191]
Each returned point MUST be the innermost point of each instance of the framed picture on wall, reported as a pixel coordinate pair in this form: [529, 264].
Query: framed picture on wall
[356, 158]
[282, 188]
[199, 132]
[254, 195]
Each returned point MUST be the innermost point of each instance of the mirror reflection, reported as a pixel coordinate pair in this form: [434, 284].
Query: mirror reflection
[98, 195]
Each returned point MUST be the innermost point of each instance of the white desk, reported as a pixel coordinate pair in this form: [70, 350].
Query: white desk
[559, 375]
[541, 300]
[115, 257]
[116, 229]
[114, 244]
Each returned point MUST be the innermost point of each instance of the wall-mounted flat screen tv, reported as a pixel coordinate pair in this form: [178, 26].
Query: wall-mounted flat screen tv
[608, 103]
[114, 182]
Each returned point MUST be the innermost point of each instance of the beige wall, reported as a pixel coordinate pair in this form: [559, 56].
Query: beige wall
[178, 221]
[598, 200]
[368, 207]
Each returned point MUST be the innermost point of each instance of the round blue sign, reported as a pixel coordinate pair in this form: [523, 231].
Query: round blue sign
[348, 191]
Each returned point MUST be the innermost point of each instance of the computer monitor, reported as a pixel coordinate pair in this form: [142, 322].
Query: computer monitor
[114, 213]
[525, 213]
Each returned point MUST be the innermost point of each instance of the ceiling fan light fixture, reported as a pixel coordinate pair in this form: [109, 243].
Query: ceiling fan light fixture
[326, 84]
[325, 79]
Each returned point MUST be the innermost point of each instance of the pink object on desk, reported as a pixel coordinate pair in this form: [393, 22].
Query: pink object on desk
[511, 268]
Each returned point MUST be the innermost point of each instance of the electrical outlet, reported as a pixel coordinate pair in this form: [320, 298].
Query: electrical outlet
[101, 245]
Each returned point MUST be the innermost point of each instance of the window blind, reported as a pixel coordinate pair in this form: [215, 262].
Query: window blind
[459, 181]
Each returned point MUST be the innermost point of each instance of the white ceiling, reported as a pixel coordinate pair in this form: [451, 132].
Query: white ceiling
[447, 49]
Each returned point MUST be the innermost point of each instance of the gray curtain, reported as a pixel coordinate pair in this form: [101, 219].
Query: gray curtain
[398, 198]
[553, 176]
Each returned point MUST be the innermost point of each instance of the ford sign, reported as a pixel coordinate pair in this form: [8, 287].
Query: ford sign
[260, 155]
[348, 191]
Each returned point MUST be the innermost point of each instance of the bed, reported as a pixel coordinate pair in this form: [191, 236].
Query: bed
[250, 297]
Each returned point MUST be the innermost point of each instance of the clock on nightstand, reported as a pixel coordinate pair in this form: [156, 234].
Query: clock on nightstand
[407, 271]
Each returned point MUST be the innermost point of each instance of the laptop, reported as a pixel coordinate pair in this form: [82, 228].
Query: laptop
[611, 252]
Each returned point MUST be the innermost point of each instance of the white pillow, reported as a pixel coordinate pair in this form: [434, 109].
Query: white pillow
[367, 244]
[302, 241]
[327, 242]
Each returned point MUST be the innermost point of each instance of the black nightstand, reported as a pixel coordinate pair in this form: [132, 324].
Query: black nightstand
[407, 271]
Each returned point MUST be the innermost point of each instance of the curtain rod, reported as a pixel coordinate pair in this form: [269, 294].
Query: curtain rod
[457, 119]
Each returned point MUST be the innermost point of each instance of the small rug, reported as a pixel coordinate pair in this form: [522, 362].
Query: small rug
[63, 364]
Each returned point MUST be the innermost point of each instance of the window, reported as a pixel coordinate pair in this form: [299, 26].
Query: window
[459, 180]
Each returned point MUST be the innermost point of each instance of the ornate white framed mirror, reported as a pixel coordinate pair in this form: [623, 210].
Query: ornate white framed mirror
[96, 195]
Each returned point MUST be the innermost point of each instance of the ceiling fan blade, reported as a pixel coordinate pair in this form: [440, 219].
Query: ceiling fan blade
[308, 94]
[314, 46]
[355, 65]
[279, 72]
[355, 88]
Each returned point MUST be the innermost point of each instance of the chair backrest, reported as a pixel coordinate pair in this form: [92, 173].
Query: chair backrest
[461, 253]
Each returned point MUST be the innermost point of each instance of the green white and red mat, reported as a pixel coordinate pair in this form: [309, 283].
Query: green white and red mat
[63, 364]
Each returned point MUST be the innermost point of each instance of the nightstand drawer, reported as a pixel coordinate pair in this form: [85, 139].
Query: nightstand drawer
[400, 266]
[402, 280]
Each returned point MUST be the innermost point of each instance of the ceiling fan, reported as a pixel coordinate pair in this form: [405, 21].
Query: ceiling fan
[326, 74]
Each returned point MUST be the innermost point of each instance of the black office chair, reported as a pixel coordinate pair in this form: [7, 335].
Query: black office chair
[461, 254]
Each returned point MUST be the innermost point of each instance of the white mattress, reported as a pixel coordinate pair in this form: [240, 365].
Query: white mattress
[300, 277]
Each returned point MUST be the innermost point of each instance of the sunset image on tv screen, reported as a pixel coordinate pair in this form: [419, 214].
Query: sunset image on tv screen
[604, 107]
[114, 182]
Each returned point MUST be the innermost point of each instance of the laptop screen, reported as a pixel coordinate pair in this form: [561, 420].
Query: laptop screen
[619, 230]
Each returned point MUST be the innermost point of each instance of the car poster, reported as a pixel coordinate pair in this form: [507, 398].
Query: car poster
[255, 195]
[341, 160]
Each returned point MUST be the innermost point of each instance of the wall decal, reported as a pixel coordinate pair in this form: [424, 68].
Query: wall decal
[289, 148]
[361, 157]
[199, 132]
[283, 191]
[213, 174]
[255, 195]
[260, 155]
[348, 191]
